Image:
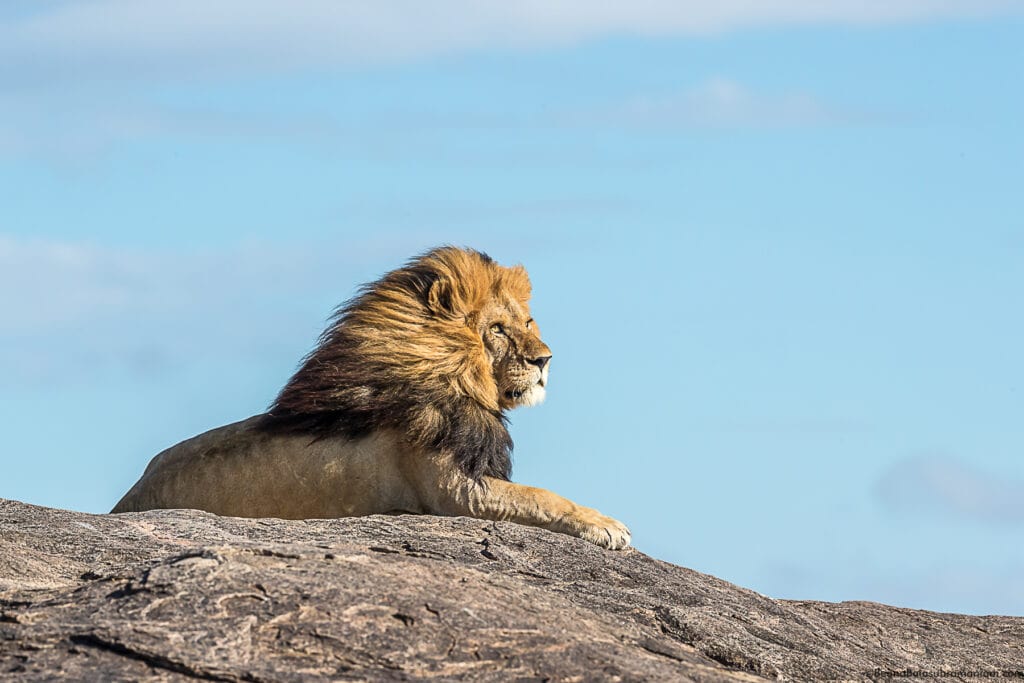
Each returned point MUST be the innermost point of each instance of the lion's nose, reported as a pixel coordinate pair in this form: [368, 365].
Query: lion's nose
[539, 361]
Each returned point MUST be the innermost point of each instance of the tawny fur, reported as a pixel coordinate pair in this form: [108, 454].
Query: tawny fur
[400, 408]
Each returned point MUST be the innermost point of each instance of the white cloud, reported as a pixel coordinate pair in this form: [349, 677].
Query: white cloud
[74, 128]
[722, 103]
[72, 308]
[195, 39]
[933, 485]
[48, 285]
[66, 64]
[75, 125]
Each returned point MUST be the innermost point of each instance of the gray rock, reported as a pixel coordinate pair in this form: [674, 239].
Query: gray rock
[179, 594]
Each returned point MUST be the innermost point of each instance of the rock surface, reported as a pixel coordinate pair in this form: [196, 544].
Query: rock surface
[172, 595]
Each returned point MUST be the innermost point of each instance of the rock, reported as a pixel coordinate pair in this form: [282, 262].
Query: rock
[178, 594]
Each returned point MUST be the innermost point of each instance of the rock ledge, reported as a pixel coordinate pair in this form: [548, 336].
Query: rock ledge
[178, 594]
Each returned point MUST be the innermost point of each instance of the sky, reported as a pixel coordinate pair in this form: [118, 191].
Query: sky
[776, 249]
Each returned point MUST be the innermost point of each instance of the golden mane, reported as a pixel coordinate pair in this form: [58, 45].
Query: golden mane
[398, 409]
[404, 354]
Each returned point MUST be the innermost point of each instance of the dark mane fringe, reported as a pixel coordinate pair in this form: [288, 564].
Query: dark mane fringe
[372, 367]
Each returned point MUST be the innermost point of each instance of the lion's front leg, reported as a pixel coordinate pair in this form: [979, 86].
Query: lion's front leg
[442, 489]
[497, 499]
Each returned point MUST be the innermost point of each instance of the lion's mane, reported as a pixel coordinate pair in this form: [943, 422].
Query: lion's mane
[405, 354]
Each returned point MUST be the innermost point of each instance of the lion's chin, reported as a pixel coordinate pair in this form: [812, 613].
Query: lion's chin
[532, 396]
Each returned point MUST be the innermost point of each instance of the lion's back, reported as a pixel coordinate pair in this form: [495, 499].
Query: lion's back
[166, 482]
[243, 470]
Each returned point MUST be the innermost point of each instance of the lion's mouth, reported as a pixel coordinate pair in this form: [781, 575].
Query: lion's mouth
[516, 394]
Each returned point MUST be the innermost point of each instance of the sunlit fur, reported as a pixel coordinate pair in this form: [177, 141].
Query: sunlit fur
[417, 351]
[400, 408]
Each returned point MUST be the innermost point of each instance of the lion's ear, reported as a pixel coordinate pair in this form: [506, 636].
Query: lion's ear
[439, 297]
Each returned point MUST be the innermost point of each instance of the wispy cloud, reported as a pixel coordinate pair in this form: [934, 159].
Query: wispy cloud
[76, 124]
[722, 103]
[145, 38]
[73, 127]
[72, 308]
[943, 486]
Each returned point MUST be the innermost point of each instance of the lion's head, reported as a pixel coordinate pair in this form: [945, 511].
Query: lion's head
[437, 349]
[518, 359]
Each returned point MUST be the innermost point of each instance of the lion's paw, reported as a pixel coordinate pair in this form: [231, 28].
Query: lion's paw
[601, 530]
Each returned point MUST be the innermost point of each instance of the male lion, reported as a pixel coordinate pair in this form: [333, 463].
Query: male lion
[400, 408]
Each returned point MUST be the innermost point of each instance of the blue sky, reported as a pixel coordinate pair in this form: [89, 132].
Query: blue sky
[776, 248]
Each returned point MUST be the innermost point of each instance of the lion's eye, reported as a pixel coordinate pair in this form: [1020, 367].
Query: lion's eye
[498, 329]
[529, 324]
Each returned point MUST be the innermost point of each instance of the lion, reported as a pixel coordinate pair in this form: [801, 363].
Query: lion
[400, 408]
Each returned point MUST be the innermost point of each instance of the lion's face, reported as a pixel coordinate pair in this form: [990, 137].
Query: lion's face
[518, 358]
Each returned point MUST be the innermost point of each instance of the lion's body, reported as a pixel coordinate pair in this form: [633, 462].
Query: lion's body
[240, 470]
[399, 409]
